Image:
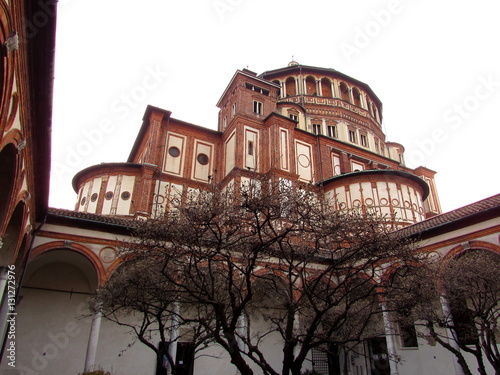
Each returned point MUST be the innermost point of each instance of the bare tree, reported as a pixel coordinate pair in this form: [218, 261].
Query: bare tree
[137, 297]
[272, 249]
[457, 305]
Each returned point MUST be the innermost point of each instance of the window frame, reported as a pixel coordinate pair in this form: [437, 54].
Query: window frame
[353, 136]
[258, 107]
[316, 129]
[364, 140]
[332, 129]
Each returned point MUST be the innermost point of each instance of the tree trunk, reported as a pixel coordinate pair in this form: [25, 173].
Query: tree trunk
[241, 364]
[296, 369]
[480, 362]
[160, 366]
[460, 358]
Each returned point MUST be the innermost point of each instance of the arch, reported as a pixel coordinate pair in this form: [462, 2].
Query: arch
[271, 295]
[263, 272]
[469, 280]
[459, 250]
[397, 265]
[290, 87]
[344, 92]
[326, 88]
[311, 88]
[55, 294]
[356, 96]
[75, 247]
[62, 270]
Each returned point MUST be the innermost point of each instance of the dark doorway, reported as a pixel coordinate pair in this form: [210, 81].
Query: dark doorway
[379, 356]
[334, 359]
[185, 358]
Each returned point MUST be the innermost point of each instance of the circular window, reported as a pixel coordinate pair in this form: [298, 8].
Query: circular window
[83, 201]
[93, 198]
[174, 151]
[304, 161]
[202, 159]
[109, 195]
[125, 195]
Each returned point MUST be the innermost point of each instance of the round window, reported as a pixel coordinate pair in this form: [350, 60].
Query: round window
[109, 195]
[202, 159]
[93, 198]
[174, 151]
[83, 201]
[125, 195]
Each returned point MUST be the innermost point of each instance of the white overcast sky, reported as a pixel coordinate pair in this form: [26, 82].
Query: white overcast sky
[434, 64]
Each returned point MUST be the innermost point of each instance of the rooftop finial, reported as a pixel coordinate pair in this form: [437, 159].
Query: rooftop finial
[293, 62]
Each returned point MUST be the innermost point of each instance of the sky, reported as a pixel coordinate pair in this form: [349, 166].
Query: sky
[435, 65]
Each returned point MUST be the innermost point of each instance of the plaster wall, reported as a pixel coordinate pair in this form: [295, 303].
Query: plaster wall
[123, 204]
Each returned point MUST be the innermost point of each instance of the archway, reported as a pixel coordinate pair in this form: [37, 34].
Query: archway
[471, 280]
[53, 317]
[326, 88]
[344, 92]
[311, 86]
[290, 87]
[356, 96]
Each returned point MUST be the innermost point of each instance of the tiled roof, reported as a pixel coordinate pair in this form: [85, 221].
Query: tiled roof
[478, 211]
[85, 217]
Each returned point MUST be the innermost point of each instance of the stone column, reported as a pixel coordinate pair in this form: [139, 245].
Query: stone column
[241, 331]
[363, 101]
[335, 90]
[351, 96]
[389, 338]
[174, 333]
[451, 332]
[93, 341]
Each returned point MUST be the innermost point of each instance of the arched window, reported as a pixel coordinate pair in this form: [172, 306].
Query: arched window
[311, 86]
[290, 87]
[472, 289]
[375, 113]
[344, 92]
[326, 88]
[356, 96]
